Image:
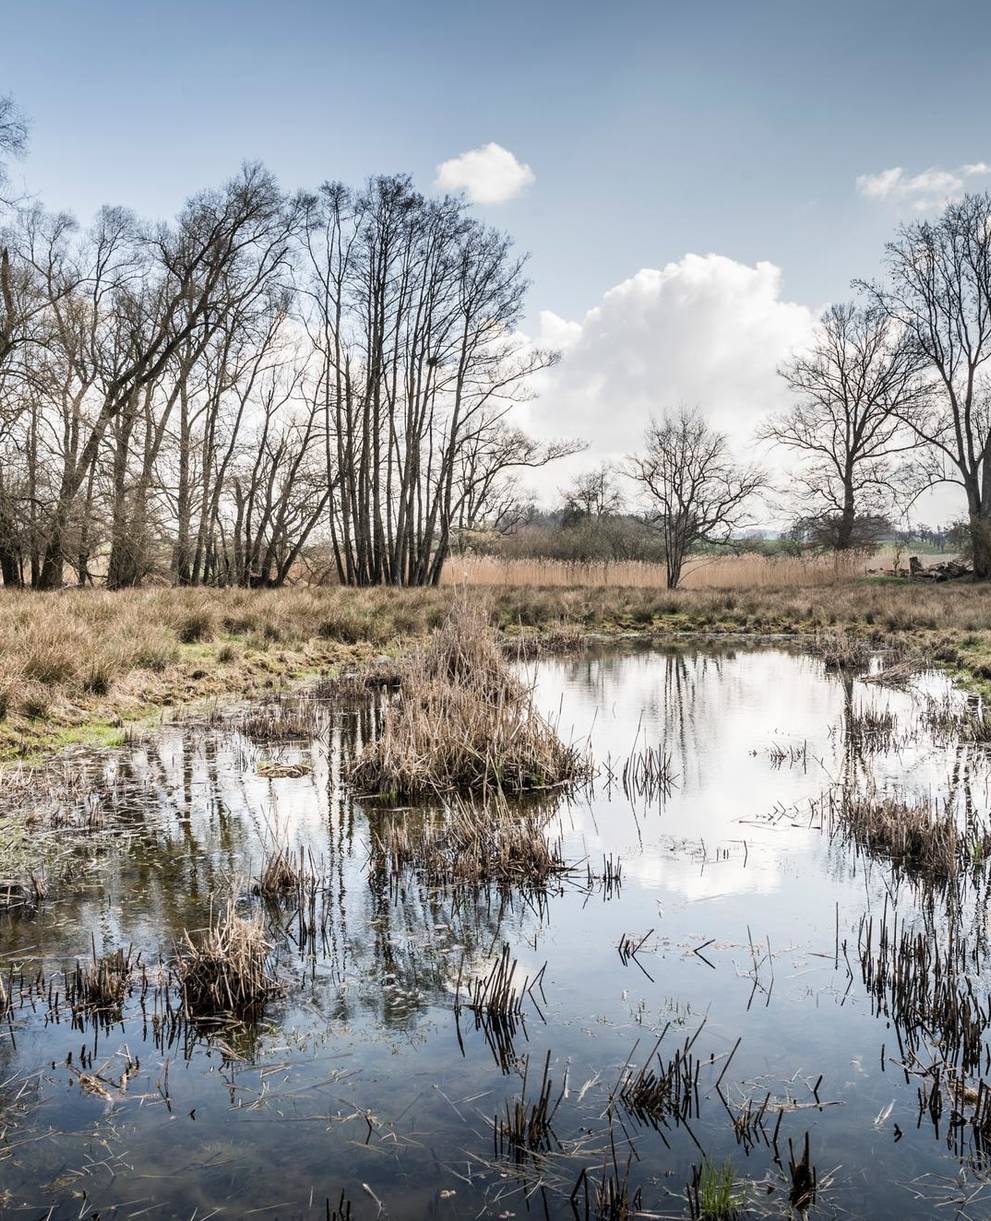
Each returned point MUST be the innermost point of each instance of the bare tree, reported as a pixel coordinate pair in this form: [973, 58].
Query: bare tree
[853, 390]
[13, 136]
[593, 495]
[488, 491]
[695, 492]
[412, 307]
[162, 412]
[938, 289]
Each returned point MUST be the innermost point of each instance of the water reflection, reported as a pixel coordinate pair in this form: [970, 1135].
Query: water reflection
[743, 910]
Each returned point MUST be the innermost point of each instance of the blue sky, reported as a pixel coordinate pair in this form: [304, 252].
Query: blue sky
[653, 130]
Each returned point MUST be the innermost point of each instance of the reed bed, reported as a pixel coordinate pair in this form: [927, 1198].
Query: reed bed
[648, 774]
[841, 652]
[914, 835]
[224, 974]
[870, 729]
[463, 721]
[288, 719]
[499, 993]
[100, 985]
[525, 1128]
[662, 1091]
[749, 570]
[925, 985]
[282, 873]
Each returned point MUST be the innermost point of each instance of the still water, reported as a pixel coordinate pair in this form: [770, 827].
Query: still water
[362, 1080]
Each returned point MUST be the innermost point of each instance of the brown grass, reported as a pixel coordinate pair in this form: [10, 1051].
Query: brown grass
[74, 665]
[474, 845]
[101, 984]
[463, 721]
[224, 973]
[915, 835]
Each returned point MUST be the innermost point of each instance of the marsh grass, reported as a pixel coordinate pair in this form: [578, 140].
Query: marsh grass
[82, 654]
[914, 835]
[929, 987]
[287, 719]
[842, 652]
[282, 872]
[662, 1091]
[464, 721]
[224, 972]
[101, 984]
[525, 1128]
[712, 1193]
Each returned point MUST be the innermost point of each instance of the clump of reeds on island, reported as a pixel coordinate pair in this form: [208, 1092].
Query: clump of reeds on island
[915, 835]
[224, 972]
[463, 720]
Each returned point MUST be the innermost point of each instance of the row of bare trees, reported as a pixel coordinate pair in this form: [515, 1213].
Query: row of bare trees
[202, 400]
[206, 400]
[891, 399]
[894, 397]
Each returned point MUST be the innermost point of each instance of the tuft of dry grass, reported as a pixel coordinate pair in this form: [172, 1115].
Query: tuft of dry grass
[463, 721]
[282, 873]
[841, 652]
[225, 972]
[100, 985]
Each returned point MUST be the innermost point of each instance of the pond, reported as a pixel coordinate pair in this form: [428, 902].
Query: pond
[713, 908]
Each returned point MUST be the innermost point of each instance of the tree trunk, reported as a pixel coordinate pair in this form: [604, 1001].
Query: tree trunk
[844, 527]
[980, 541]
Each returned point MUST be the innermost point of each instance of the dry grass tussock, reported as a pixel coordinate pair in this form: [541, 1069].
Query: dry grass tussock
[224, 973]
[101, 984]
[463, 720]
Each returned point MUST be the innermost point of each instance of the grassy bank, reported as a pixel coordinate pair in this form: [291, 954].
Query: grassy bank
[78, 665]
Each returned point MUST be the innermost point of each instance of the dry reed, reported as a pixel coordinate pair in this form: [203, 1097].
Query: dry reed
[225, 972]
[749, 570]
[915, 836]
[526, 1127]
[463, 720]
[474, 846]
[101, 984]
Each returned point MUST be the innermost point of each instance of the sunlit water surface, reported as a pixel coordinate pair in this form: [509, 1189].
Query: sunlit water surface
[361, 1079]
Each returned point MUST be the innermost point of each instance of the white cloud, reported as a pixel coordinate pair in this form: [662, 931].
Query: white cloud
[705, 330]
[490, 174]
[930, 189]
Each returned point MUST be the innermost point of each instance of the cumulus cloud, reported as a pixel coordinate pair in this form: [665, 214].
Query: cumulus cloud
[928, 190]
[490, 174]
[706, 330]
